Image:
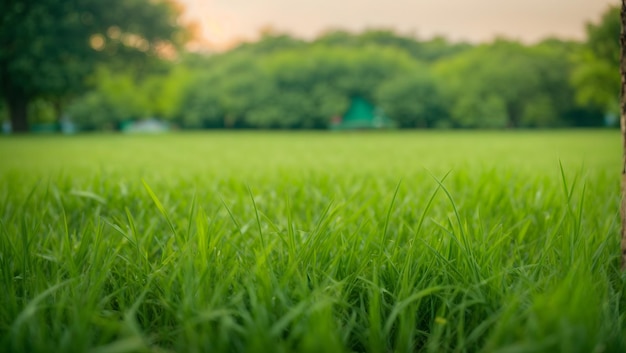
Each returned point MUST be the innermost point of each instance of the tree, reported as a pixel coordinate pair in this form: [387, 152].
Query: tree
[117, 97]
[514, 85]
[223, 91]
[424, 50]
[289, 88]
[164, 92]
[270, 41]
[412, 100]
[50, 46]
[622, 62]
[594, 76]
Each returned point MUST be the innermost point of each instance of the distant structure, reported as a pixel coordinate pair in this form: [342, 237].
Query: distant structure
[64, 125]
[6, 127]
[146, 126]
[67, 126]
[362, 115]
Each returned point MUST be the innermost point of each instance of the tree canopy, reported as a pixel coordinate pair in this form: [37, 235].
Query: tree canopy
[595, 76]
[50, 46]
[104, 67]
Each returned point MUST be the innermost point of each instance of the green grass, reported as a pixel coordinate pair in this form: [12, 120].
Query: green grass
[312, 242]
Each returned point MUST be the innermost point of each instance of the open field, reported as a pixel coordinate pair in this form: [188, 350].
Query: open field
[312, 242]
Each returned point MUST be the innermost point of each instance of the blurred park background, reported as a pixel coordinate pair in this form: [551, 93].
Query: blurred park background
[146, 65]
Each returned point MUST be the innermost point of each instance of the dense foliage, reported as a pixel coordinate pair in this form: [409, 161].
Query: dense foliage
[284, 82]
[596, 76]
[50, 47]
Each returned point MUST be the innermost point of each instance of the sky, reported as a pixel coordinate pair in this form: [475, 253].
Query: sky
[224, 23]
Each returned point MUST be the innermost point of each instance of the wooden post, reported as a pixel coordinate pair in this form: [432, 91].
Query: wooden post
[622, 41]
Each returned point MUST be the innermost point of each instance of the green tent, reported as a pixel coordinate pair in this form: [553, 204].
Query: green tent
[362, 115]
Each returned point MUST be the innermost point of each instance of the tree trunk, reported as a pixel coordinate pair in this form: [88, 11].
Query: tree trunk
[18, 114]
[623, 125]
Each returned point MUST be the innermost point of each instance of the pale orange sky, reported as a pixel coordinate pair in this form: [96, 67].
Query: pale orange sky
[225, 22]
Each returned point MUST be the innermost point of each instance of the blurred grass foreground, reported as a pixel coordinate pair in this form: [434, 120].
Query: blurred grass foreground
[309, 242]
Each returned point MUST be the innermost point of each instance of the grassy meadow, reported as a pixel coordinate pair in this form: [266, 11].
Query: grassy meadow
[312, 242]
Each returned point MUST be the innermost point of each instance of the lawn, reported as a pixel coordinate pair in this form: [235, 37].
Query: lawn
[312, 242]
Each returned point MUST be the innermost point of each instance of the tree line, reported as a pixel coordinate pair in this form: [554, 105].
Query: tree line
[132, 72]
